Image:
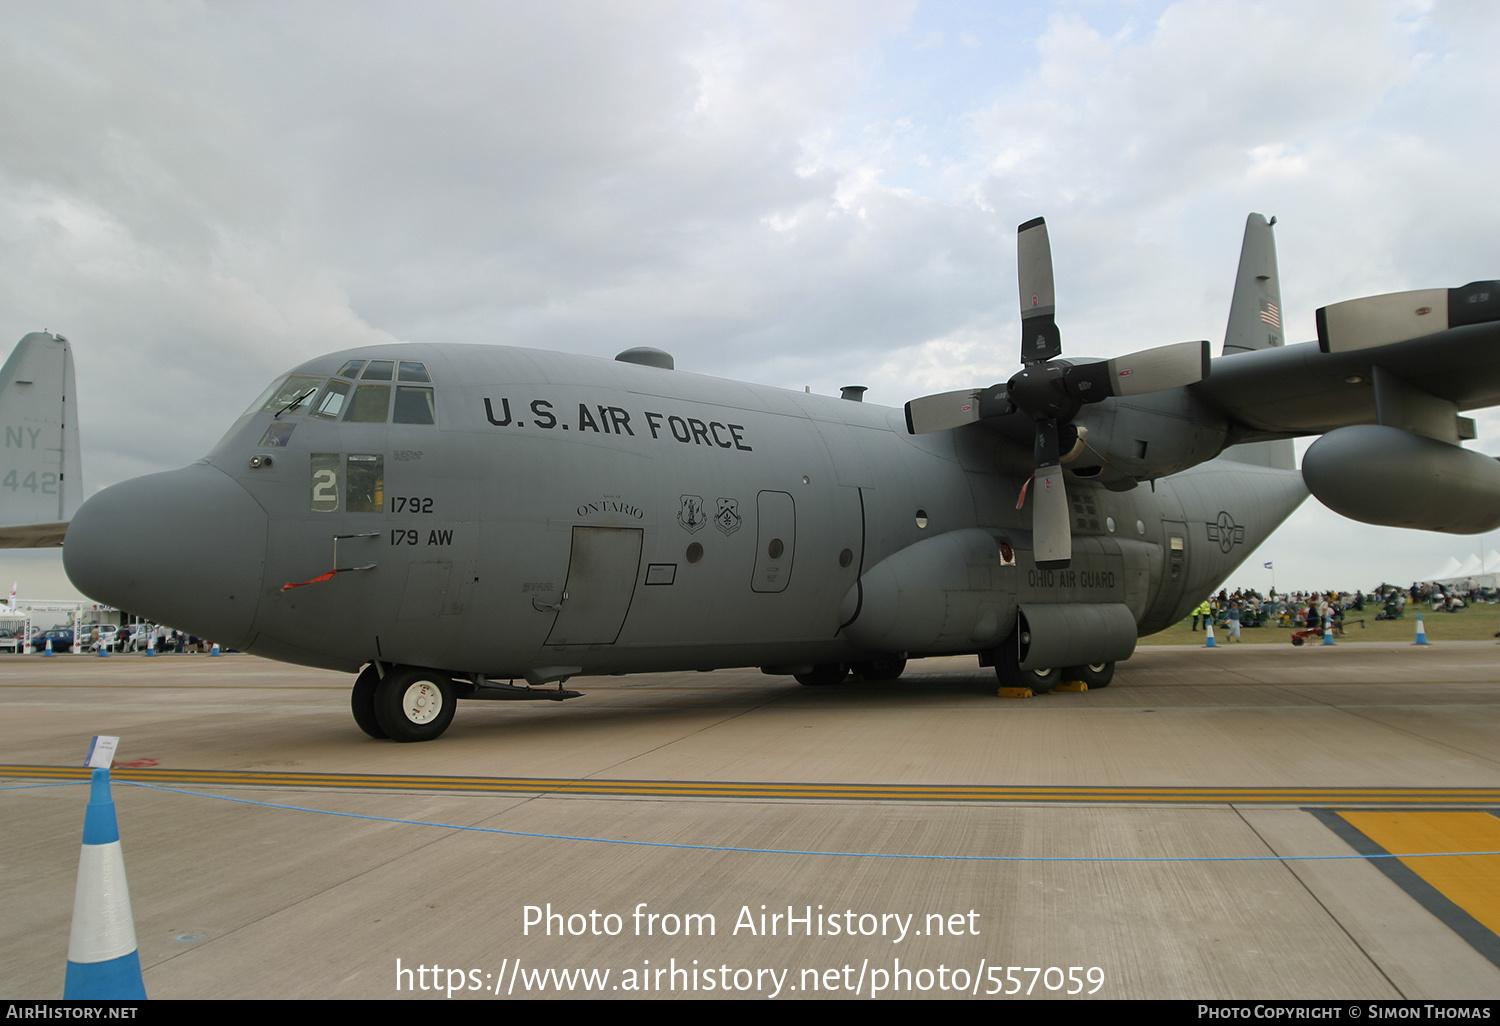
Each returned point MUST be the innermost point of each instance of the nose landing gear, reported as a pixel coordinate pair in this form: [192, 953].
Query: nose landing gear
[405, 703]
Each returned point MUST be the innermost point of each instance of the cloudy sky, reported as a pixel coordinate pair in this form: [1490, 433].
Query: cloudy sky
[201, 195]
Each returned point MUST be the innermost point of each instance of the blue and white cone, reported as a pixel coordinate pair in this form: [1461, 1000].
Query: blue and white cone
[103, 647]
[103, 964]
[1327, 630]
[49, 651]
[151, 646]
[1421, 631]
[215, 650]
[1208, 640]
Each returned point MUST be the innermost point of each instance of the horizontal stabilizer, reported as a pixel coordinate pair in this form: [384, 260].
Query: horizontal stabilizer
[33, 536]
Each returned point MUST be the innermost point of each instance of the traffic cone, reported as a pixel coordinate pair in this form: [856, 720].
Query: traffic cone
[49, 648]
[103, 963]
[1208, 640]
[1421, 631]
[215, 650]
[1328, 630]
[103, 648]
[151, 645]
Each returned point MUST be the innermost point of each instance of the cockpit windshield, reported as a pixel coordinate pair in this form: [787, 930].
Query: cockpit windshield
[350, 398]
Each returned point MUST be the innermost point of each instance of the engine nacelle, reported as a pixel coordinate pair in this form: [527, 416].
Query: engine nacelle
[1383, 475]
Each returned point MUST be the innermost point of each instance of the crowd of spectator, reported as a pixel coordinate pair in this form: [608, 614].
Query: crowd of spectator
[1250, 608]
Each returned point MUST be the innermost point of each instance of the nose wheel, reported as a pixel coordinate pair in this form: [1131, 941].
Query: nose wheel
[362, 702]
[407, 704]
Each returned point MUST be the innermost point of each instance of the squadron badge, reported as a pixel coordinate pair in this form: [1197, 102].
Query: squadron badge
[690, 514]
[727, 518]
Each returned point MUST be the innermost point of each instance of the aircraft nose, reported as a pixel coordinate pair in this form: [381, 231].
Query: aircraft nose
[185, 549]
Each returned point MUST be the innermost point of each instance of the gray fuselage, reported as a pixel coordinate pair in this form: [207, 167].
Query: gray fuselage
[607, 517]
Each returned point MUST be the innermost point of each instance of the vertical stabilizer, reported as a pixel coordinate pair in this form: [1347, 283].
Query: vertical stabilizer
[1255, 323]
[41, 482]
[1255, 311]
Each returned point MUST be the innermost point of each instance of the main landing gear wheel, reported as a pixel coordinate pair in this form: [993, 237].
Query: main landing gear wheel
[885, 668]
[362, 701]
[1008, 671]
[413, 704]
[822, 674]
[1095, 675]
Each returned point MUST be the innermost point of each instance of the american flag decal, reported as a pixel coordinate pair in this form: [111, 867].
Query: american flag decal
[1270, 314]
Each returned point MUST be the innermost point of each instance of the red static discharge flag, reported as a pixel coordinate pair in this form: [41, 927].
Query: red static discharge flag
[1270, 314]
[316, 580]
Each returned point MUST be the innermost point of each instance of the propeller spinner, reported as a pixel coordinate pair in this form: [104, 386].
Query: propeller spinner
[1051, 393]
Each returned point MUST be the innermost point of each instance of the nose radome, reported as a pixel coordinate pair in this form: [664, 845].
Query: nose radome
[185, 549]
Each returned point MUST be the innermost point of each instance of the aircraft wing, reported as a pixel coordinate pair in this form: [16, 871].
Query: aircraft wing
[1313, 387]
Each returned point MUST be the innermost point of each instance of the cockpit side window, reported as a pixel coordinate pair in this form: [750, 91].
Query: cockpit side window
[411, 370]
[332, 403]
[351, 369]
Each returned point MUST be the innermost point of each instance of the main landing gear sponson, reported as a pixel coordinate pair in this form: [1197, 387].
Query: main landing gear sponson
[408, 703]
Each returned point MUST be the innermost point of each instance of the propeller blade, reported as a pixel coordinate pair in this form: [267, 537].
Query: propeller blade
[1039, 336]
[1150, 370]
[943, 411]
[1051, 526]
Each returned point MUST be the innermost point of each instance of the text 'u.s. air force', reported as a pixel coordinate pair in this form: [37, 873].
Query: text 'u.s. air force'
[616, 420]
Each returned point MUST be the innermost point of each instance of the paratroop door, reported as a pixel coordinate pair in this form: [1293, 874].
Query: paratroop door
[601, 583]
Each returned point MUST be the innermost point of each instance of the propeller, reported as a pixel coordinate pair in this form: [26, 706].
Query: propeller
[1051, 392]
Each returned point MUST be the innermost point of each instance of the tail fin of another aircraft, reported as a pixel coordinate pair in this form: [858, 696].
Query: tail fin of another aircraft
[1255, 323]
[41, 479]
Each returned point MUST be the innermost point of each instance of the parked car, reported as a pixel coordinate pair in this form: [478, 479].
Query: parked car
[61, 638]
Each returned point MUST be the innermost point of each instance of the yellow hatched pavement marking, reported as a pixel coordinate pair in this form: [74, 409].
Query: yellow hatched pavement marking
[1469, 881]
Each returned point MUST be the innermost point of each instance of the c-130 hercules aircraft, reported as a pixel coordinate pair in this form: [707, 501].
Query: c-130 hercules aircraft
[446, 520]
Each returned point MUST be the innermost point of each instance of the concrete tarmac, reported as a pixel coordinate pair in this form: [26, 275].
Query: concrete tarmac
[1199, 829]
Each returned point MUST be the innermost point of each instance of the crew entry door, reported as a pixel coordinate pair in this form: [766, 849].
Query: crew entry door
[602, 572]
